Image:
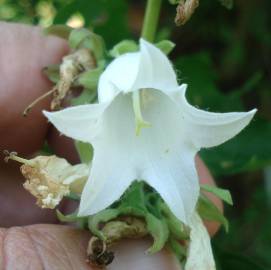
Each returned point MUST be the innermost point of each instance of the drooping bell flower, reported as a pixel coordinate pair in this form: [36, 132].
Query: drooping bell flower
[143, 128]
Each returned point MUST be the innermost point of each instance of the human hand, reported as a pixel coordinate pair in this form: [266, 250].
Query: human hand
[24, 51]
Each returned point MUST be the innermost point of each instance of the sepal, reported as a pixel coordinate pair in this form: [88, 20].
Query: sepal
[209, 212]
[166, 46]
[123, 47]
[83, 38]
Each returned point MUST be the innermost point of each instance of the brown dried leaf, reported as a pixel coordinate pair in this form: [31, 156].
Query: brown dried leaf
[185, 10]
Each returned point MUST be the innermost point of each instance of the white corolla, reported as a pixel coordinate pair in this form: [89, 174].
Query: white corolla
[143, 128]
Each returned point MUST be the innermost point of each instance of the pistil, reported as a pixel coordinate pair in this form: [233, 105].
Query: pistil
[140, 122]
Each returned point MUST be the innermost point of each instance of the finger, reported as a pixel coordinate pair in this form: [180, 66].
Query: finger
[60, 247]
[206, 178]
[24, 51]
[62, 145]
[44, 247]
[18, 207]
[135, 257]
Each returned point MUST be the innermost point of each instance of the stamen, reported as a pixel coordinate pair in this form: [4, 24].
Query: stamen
[140, 122]
[13, 156]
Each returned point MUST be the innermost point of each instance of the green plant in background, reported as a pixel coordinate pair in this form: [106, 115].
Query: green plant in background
[216, 51]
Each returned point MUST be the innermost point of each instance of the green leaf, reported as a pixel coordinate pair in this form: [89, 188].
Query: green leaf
[158, 230]
[86, 97]
[103, 216]
[236, 261]
[89, 79]
[208, 211]
[59, 30]
[122, 47]
[166, 46]
[227, 3]
[85, 151]
[52, 72]
[223, 194]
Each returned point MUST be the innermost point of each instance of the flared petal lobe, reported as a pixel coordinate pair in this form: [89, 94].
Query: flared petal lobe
[148, 68]
[80, 122]
[207, 129]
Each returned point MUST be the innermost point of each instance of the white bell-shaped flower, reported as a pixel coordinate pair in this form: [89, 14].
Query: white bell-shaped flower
[143, 128]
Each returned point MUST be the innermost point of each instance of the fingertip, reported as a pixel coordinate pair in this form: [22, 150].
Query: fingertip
[205, 177]
[62, 146]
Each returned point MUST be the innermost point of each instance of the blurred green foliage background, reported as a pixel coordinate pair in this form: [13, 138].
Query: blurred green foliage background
[225, 56]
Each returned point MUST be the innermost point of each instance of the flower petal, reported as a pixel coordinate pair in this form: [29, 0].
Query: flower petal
[169, 156]
[121, 73]
[200, 255]
[160, 155]
[148, 68]
[207, 129]
[107, 182]
[79, 122]
[154, 70]
[113, 167]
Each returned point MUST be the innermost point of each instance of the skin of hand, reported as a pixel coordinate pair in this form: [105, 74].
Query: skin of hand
[24, 51]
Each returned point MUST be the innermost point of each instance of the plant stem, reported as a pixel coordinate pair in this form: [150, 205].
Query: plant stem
[151, 19]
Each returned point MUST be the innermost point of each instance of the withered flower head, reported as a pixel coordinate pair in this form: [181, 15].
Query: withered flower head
[50, 178]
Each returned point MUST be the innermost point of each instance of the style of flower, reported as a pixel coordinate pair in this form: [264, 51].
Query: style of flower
[143, 128]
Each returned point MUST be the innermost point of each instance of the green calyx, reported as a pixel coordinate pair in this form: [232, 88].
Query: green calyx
[136, 202]
[128, 46]
[123, 47]
[166, 46]
[141, 211]
[83, 38]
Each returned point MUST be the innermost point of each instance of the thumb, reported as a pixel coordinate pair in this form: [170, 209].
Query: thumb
[24, 51]
[61, 247]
